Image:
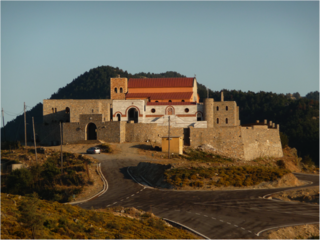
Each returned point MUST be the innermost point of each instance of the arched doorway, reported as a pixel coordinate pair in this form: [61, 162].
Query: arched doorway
[170, 111]
[133, 115]
[91, 131]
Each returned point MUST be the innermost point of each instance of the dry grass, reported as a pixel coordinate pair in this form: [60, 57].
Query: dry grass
[69, 222]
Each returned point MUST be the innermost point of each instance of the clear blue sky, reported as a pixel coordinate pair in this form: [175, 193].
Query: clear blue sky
[256, 46]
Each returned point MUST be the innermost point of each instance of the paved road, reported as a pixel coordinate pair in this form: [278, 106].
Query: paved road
[215, 214]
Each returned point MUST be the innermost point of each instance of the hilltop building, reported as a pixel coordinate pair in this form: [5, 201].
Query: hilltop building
[139, 110]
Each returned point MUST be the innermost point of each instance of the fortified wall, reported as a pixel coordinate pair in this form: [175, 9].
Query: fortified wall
[121, 120]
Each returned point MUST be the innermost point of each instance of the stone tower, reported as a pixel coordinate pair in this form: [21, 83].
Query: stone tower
[208, 111]
[118, 88]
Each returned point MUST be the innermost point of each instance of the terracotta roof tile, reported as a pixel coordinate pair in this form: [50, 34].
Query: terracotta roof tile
[171, 103]
[160, 82]
[155, 96]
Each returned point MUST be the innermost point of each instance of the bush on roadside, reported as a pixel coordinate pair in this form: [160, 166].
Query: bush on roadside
[105, 148]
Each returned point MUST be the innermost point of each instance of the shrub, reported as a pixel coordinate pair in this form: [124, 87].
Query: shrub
[105, 148]
[281, 164]
[307, 160]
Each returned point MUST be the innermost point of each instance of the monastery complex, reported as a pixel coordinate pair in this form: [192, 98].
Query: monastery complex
[139, 110]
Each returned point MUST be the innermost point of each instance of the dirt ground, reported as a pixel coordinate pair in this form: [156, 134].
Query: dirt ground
[308, 231]
[306, 195]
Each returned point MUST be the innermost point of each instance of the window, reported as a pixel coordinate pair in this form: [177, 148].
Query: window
[217, 108]
[217, 120]
[182, 100]
[92, 110]
[153, 110]
[199, 117]
[156, 101]
[186, 110]
[52, 110]
[121, 90]
[55, 110]
[170, 101]
[226, 120]
[227, 108]
[67, 110]
[119, 117]
[115, 90]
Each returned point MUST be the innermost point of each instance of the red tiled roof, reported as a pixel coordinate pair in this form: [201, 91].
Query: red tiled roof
[155, 96]
[159, 82]
[171, 103]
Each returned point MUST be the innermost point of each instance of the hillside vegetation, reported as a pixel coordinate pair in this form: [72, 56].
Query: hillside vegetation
[44, 176]
[29, 217]
[298, 119]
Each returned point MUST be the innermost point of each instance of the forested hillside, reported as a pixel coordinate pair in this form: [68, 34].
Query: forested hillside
[298, 119]
[313, 95]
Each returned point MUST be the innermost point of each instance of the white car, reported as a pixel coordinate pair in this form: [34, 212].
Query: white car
[93, 150]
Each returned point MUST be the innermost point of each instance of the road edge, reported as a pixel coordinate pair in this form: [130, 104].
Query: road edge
[104, 190]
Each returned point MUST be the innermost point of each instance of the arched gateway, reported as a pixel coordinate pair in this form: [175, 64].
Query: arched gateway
[91, 131]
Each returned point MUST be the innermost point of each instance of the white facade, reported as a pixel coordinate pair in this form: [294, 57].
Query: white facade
[140, 112]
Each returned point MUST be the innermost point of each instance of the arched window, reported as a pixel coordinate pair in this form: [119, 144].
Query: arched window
[217, 108]
[52, 110]
[226, 120]
[67, 110]
[170, 101]
[121, 90]
[227, 108]
[199, 116]
[115, 90]
[119, 117]
[217, 120]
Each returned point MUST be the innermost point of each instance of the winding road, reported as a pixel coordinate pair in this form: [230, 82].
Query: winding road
[214, 214]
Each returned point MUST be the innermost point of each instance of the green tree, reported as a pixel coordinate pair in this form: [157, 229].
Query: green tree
[19, 181]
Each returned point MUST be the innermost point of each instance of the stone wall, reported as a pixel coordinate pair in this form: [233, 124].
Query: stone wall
[106, 131]
[227, 140]
[260, 141]
[141, 132]
[226, 110]
[56, 110]
[246, 143]
[49, 135]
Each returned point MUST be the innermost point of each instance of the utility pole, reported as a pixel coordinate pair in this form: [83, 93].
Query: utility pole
[169, 137]
[4, 133]
[61, 149]
[25, 126]
[34, 138]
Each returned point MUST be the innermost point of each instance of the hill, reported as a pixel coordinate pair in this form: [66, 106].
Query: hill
[31, 218]
[298, 119]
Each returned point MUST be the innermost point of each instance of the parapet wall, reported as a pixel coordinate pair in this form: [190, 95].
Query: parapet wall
[227, 140]
[260, 141]
[246, 143]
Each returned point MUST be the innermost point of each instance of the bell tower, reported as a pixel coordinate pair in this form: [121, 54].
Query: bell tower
[118, 88]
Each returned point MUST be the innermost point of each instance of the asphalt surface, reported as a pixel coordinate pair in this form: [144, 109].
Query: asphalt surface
[216, 214]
